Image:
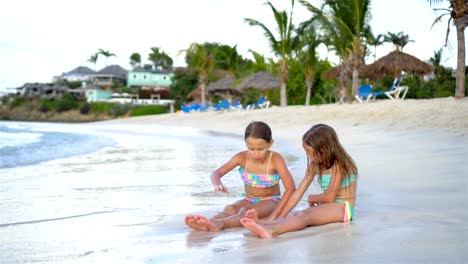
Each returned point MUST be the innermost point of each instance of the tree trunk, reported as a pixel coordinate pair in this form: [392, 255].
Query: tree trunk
[343, 82]
[460, 75]
[343, 87]
[309, 84]
[355, 82]
[283, 76]
[203, 79]
[283, 95]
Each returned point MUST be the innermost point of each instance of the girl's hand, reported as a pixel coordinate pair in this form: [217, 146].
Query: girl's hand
[221, 188]
[311, 203]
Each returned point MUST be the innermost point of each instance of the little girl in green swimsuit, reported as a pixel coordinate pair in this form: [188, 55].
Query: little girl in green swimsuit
[261, 170]
[337, 175]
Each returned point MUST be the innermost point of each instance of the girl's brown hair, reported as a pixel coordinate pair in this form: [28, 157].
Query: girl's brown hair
[258, 129]
[324, 140]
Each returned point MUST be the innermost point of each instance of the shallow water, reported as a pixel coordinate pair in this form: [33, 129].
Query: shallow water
[124, 203]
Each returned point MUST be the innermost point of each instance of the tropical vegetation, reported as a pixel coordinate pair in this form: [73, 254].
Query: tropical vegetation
[343, 27]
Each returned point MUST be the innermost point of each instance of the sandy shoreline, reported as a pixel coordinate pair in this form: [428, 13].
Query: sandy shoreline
[445, 114]
[412, 190]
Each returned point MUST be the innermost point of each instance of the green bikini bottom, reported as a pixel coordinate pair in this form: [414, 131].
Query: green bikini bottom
[348, 210]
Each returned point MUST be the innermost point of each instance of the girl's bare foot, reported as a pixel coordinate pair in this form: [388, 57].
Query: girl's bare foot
[256, 228]
[208, 225]
[252, 214]
[192, 221]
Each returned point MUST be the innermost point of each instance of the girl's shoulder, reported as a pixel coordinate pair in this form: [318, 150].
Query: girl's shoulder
[240, 156]
[276, 157]
[275, 154]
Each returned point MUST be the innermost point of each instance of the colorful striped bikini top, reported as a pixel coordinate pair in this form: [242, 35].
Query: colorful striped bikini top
[345, 182]
[261, 180]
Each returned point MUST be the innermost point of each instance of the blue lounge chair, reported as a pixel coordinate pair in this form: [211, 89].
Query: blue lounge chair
[222, 105]
[365, 93]
[261, 103]
[396, 91]
[185, 108]
[236, 105]
[205, 108]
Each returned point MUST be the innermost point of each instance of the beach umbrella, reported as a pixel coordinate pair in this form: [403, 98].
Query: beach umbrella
[394, 63]
[224, 88]
[333, 73]
[196, 93]
[261, 80]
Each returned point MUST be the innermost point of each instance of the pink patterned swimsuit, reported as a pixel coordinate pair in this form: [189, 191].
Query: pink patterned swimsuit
[259, 181]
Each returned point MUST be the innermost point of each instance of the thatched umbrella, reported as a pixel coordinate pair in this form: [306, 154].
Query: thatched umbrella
[261, 80]
[224, 88]
[333, 73]
[394, 63]
[195, 94]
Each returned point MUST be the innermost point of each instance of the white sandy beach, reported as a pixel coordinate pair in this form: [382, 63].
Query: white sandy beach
[412, 190]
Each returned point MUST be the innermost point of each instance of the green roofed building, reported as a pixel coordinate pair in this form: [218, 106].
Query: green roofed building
[149, 79]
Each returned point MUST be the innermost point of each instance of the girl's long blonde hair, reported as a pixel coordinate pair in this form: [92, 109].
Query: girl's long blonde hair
[324, 140]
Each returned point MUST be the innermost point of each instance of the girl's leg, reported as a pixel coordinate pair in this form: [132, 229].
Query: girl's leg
[317, 215]
[199, 222]
[231, 215]
[263, 209]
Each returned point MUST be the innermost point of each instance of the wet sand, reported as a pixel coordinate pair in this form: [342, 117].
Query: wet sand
[412, 187]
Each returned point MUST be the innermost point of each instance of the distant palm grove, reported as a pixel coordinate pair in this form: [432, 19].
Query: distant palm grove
[303, 77]
[306, 79]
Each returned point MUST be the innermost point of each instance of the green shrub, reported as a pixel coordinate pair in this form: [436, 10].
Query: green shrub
[43, 109]
[18, 101]
[49, 104]
[119, 109]
[111, 109]
[67, 102]
[101, 107]
[84, 110]
[148, 110]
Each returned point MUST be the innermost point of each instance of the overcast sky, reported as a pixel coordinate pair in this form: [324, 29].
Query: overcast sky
[42, 39]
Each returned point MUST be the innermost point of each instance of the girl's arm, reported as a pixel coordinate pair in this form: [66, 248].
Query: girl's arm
[288, 183]
[329, 195]
[221, 171]
[297, 194]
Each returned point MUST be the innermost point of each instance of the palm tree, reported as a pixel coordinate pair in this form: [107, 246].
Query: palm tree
[259, 61]
[93, 59]
[198, 58]
[458, 12]
[346, 23]
[399, 40]
[135, 59]
[307, 54]
[160, 58]
[436, 62]
[106, 53]
[262, 64]
[375, 41]
[228, 58]
[281, 47]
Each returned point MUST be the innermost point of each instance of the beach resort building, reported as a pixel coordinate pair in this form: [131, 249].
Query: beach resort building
[149, 79]
[50, 91]
[79, 74]
[113, 75]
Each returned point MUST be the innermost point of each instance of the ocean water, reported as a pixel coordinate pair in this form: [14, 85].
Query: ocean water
[28, 143]
[113, 193]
